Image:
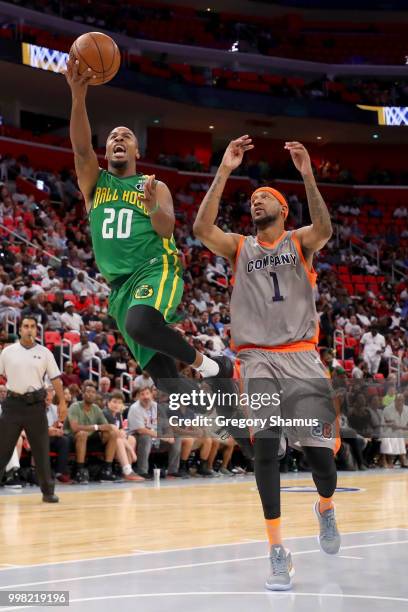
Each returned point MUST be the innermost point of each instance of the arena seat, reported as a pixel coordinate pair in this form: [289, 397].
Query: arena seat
[72, 336]
[51, 339]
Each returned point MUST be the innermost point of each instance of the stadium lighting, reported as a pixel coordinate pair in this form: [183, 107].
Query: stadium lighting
[318, 137]
[211, 127]
[375, 136]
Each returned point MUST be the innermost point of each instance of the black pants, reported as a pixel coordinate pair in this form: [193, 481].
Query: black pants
[16, 416]
[60, 445]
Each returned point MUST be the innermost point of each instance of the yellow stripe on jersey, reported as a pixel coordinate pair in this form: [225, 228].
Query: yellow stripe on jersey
[176, 279]
[162, 282]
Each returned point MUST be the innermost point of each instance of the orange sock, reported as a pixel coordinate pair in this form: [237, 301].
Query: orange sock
[273, 530]
[325, 503]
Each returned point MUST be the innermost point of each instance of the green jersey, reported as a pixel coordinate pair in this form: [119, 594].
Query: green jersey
[123, 238]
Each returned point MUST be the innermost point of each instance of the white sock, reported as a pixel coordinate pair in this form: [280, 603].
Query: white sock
[127, 469]
[209, 367]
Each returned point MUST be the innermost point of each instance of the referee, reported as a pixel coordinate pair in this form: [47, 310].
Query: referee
[25, 365]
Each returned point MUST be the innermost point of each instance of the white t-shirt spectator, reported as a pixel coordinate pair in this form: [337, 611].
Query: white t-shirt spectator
[72, 322]
[50, 284]
[141, 382]
[139, 417]
[87, 353]
[54, 321]
[201, 305]
[372, 344]
[77, 286]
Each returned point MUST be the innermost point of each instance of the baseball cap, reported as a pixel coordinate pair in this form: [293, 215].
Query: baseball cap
[68, 304]
[83, 293]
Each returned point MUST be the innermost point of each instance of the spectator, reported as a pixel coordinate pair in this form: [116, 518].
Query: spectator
[69, 377]
[64, 271]
[373, 347]
[396, 421]
[83, 302]
[227, 448]
[126, 444]
[352, 328]
[50, 282]
[9, 306]
[360, 369]
[88, 428]
[198, 300]
[142, 422]
[389, 397]
[83, 352]
[59, 442]
[35, 311]
[116, 363]
[54, 322]
[143, 380]
[71, 320]
[79, 284]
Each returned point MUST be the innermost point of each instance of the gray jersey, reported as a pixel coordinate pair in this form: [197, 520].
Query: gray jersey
[272, 304]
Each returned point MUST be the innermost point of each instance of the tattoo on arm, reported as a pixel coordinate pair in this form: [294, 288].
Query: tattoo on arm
[319, 213]
[208, 210]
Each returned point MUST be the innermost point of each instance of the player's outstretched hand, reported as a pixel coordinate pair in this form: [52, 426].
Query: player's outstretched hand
[150, 196]
[300, 157]
[77, 82]
[234, 153]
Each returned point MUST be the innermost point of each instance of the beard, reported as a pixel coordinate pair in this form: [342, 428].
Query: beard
[118, 164]
[265, 222]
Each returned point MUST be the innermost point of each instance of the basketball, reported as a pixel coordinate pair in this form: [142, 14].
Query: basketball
[98, 52]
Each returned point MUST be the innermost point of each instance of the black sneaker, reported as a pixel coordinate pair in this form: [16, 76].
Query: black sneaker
[107, 475]
[13, 481]
[50, 498]
[82, 476]
[203, 470]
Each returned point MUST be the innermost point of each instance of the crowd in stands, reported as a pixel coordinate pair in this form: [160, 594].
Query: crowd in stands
[63, 290]
[290, 35]
[348, 90]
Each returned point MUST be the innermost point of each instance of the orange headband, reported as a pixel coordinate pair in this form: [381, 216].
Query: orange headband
[278, 195]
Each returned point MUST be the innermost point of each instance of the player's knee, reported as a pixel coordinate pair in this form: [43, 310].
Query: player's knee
[136, 327]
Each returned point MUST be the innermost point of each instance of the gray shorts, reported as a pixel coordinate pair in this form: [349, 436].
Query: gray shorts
[302, 391]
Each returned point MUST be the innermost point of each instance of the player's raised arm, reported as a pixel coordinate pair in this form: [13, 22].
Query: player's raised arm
[204, 228]
[86, 161]
[312, 237]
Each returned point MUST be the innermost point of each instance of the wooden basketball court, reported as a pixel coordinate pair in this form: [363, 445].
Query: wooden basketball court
[120, 519]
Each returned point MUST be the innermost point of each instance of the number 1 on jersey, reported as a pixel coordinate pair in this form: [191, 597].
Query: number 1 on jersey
[277, 297]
